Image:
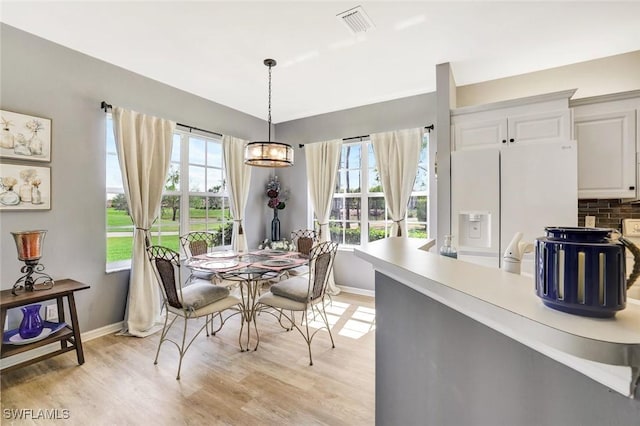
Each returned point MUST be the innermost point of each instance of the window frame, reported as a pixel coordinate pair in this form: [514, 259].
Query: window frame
[124, 264]
[366, 194]
[187, 193]
[183, 191]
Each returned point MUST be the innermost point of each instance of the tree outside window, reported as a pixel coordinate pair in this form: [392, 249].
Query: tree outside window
[204, 201]
[358, 202]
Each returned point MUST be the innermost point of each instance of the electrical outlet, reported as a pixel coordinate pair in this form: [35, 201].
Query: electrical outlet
[590, 221]
[52, 313]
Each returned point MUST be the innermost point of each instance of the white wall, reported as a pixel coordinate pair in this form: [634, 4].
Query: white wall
[613, 74]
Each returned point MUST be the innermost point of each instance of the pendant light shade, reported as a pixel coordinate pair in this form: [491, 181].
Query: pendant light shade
[268, 154]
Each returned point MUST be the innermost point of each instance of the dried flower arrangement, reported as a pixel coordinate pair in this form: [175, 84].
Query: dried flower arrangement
[276, 197]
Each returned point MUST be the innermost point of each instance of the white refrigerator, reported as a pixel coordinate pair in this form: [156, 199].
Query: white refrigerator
[496, 192]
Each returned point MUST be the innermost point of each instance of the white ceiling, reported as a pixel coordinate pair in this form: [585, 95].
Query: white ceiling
[215, 49]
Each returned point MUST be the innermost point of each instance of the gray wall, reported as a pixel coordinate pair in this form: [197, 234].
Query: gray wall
[414, 111]
[446, 99]
[47, 80]
[435, 366]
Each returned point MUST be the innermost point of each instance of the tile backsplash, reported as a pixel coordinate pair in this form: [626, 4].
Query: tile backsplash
[608, 213]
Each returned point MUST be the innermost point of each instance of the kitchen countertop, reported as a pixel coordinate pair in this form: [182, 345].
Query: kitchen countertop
[607, 350]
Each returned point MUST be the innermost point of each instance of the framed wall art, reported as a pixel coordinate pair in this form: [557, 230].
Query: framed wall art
[25, 187]
[24, 137]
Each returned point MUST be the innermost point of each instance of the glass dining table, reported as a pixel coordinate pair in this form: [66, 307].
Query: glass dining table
[249, 271]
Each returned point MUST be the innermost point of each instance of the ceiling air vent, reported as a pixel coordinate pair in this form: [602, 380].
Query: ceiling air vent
[356, 20]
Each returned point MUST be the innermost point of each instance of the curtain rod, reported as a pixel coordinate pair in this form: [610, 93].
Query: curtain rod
[428, 128]
[105, 106]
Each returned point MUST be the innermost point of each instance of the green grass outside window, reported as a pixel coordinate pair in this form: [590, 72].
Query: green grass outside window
[120, 230]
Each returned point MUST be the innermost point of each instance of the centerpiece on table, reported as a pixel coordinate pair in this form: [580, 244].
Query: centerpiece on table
[283, 244]
[276, 202]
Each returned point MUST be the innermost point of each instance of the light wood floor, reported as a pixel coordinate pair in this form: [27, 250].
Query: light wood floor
[119, 385]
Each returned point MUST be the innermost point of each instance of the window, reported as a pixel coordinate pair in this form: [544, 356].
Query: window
[119, 225]
[208, 200]
[165, 230]
[194, 197]
[345, 220]
[358, 202]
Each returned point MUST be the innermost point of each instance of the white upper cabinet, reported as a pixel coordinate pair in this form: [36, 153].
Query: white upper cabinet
[606, 135]
[470, 134]
[552, 126]
[544, 118]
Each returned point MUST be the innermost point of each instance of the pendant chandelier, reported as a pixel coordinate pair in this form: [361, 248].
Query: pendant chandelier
[268, 154]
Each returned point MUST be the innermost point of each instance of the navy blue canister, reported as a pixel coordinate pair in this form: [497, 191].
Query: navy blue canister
[581, 271]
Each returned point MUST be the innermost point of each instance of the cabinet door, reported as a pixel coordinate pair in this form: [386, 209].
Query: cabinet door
[548, 126]
[479, 134]
[606, 154]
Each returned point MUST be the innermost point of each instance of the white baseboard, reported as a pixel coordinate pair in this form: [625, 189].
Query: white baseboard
[102, 331]
[356, 290]
[86, 336]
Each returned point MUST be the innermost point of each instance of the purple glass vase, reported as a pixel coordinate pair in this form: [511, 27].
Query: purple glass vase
[31, 325]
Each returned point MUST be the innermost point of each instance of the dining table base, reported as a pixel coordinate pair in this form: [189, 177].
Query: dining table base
[250, 272]
[249, 293]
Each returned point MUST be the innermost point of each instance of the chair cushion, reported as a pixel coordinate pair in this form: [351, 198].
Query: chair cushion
[217, 306]
[199, 294]
[300, 270]
[203, 275]
[296, 288]
[270, 299]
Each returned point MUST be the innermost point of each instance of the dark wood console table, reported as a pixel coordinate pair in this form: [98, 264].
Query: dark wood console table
[69, 337]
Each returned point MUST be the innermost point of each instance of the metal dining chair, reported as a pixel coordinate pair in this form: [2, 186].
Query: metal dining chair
[303, 240]
[304, 294]
[198, 299]
[197, 243]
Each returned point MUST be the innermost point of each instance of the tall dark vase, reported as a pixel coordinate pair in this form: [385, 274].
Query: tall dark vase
[275, 226]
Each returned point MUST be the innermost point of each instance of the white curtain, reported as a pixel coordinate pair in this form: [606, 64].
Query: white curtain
[238, 180]
[397, 155]
[144, 147]
[322, 160]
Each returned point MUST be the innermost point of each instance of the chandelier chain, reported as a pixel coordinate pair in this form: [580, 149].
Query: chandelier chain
[269, 123]
[266, 153]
